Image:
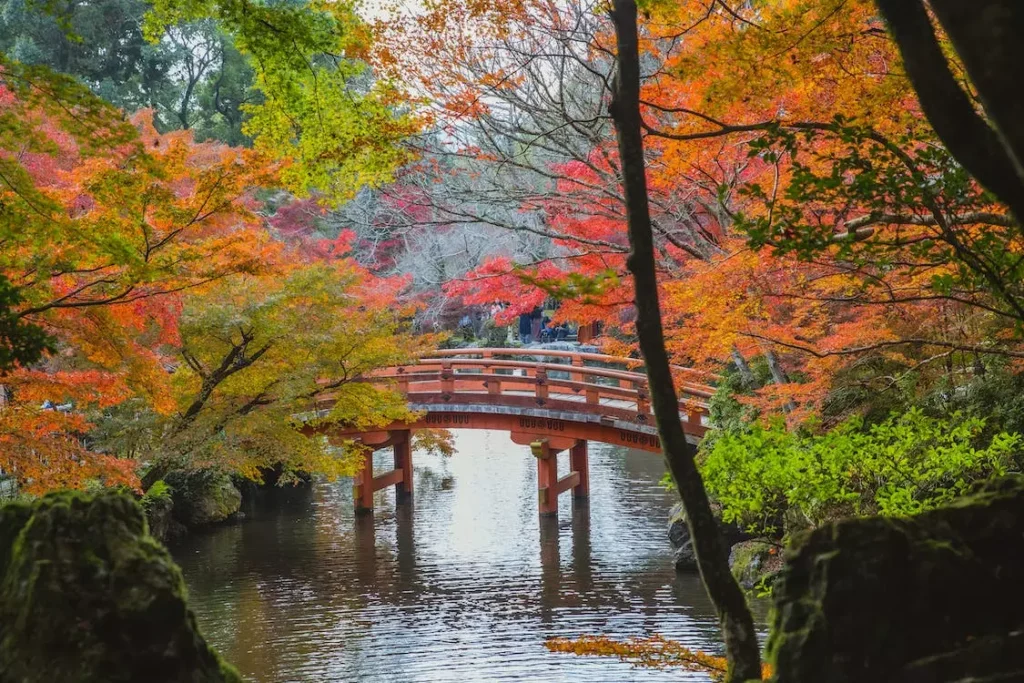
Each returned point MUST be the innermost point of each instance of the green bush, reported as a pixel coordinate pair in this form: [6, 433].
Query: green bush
[159, 492]
[774, 481]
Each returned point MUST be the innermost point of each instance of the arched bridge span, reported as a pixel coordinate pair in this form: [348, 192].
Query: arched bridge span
[551, 400]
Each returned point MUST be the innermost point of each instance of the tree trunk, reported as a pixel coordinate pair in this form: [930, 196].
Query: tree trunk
[741, 645]
[986, 34]
[779, 376]
[746, 374]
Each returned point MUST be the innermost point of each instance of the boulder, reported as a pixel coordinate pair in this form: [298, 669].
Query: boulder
[935, 597]
[158, 506]
[679, 536]
[678, 532]
[204, 497]
[754, 562]
[163, 526]
[685, 559]
[87, 595]
[158, 517]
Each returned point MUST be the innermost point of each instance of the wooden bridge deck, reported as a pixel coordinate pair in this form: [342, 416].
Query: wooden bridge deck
[584, 387]
[552, 400]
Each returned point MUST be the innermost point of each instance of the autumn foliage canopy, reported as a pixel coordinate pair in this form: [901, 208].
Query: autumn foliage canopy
[805, 211]
[180, 323]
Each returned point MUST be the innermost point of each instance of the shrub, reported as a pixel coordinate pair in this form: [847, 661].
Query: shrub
[773, 481]
[159, 492]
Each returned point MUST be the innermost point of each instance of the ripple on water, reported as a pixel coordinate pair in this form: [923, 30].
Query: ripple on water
[463, 585]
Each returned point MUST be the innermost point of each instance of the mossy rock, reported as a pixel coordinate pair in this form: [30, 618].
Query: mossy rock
[204, 497]
[935, 597]
[159, 518]
[158, 507]
[754, 562]
[87, 595]
[685, 558]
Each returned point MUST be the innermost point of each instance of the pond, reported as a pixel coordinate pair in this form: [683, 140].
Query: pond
[463, 584]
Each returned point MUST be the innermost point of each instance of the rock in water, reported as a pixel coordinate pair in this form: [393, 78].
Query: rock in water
[684, 558]
[678, 532]
[158, 507]
[935, 597]
[204, 497]
[86, 595]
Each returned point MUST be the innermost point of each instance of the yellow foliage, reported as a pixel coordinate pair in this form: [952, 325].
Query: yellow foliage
[654, 651]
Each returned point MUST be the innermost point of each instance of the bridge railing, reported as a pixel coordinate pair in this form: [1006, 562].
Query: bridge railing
[500, 378]
[699, 379]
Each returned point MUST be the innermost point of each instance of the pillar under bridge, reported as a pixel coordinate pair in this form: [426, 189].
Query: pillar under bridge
[544, 448]
[549, 485]
[366, 484]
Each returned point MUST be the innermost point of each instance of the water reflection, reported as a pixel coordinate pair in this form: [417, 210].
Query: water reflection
[550, 568]
[465, 583]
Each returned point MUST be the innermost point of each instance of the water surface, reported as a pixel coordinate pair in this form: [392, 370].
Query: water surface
[464, 584]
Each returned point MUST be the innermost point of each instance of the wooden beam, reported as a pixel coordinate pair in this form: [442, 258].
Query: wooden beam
[567, 482]
[376, 439]
[511, 421]
[547, 476]
[387, 479]
[403, 462]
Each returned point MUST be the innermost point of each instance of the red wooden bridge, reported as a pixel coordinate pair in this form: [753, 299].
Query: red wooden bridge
[552, 401]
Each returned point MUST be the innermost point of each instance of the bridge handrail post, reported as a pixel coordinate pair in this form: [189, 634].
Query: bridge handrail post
[694, 415]
[577, 362]
[447, 379]
[643, 402]
[541, 385]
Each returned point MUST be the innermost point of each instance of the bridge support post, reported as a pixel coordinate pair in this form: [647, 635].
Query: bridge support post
[579, 463]
[547, 477]
[549, 486]
[362, 487]
[403, 463]
[365, 484]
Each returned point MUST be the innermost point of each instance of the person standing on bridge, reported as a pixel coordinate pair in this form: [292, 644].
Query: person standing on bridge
[524, 328]
[536, 323]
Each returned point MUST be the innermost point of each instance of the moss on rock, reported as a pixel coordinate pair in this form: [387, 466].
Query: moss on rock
[685, 557]
[158, 506]
[939, 596]
[87, 595]
[13, 517]
[204, 497]
[753, 562]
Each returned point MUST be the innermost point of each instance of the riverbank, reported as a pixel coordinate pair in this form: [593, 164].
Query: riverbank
[755, 562]
[184, 503]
